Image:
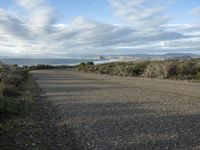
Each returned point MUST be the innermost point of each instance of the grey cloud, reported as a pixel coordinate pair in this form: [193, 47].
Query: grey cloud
[11, 25]
[100, 34]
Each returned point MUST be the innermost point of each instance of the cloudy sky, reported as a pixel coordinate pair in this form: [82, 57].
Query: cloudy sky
[58, 28]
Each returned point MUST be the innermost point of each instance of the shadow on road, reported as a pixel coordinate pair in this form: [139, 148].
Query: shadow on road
[130, 126]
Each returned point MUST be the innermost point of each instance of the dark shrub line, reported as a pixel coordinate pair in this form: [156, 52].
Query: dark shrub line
[42, 66]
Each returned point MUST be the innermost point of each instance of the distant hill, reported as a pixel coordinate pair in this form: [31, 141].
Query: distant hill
[155, 56]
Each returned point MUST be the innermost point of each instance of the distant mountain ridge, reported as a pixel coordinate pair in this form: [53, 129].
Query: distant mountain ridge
[117, 56]
[155, 56]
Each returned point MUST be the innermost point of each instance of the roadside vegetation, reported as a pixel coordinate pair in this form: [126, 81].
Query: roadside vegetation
[15, 102]
[42, 66]
[11, 77]
[27, 121]
[167, 69]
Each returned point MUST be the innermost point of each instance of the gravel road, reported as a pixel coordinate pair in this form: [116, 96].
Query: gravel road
[120, 113]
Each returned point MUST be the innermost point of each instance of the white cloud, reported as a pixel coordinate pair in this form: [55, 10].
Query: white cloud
[140, 13]
[41, 13]
[39, 33]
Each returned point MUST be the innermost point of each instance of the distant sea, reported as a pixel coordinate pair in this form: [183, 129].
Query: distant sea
[36, 61]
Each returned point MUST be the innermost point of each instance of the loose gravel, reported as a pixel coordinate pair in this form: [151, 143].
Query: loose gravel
[118, 113]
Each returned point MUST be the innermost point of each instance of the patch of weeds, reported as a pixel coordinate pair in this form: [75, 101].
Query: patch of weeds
[1, 126]
[197, 76]
[17, 127]
[9, 107]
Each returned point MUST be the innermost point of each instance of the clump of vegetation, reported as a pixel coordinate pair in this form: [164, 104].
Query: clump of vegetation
[81, 66]
[120, 68]
[197, 76]
[8, 107]
[90, 63]
[10, 79]
[157, 70]
[174, 69]
[87, 67]
[42, 66]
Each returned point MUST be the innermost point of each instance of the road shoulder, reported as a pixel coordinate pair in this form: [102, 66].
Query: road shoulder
[38, 126]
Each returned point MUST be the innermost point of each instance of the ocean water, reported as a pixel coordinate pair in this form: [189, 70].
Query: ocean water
[35, 61]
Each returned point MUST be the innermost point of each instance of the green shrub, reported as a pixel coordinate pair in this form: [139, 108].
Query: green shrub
[156, 70]
[10, 78]
[81, 66]
[42, 66]
[129, 70]
[187, 69]
[139, 68]
[24, 73]
[90, 63]
[8, 108]
[172, 70]
[176, 69]
[197, 76]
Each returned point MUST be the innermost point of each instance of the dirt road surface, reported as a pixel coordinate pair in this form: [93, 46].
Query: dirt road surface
[120, 113]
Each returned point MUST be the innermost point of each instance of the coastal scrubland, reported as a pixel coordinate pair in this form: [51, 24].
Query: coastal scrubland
[11, 78]
[15, 102]
[167, 69]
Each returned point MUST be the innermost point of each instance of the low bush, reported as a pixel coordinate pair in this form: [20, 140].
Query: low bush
[81, 66]
[197, 76]
[175, 69]
[139, 68]
[172, 70]
[90, 63]
[160, 69]
[10, 78]
[187, 70]
[8, 107]
[42, 66]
